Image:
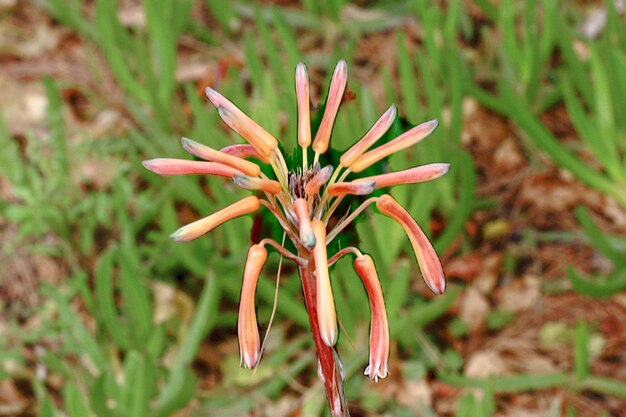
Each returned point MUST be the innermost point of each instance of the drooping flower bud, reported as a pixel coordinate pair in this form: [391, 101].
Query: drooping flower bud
[247, 328]
[421, 173]
[370, 138]
[210, 154]
[171, 166]
[326, 315]
[335, 94]
[403, 141]
[205, 225]
[379, 327]
[424, 252]
[301, 207]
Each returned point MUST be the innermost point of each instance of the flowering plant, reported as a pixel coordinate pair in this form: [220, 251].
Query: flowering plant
[302, 200]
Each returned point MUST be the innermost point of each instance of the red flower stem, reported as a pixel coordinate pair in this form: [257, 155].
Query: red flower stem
[328, 359]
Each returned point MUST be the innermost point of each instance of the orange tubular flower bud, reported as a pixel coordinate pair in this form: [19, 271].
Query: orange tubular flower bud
[304, 117]
[205, 225]
[255, 183]
[210, 154]
[403, 141]
[379, 327]
[409, 176]
[370, 138]
[243, 150]
[247, 328]
[424, 252]
[335, 94]
[353, 187]
[170, 166]
[318, 180]
[327, 318]
[237, 120]
[307, 237]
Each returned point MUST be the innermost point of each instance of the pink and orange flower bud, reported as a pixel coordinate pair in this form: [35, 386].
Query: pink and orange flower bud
[403, 141]
[304, 117]
[409, 176]
[427, 259]
[200, 227]
[247, 328]
[352, 187]
[238, 121]
[318, 180]
[326, 315]
[243, 150]
[379, 327]
[170, 166]
[210, 154]
[301, 207]
[256, 183]
[370, 138]
[335, 95]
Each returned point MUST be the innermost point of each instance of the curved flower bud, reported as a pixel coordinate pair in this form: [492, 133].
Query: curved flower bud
[304, 117]
[171, 166]
[335, 94]
[323, 175]
[243, 150]
[205, 225]
[379, 327]
[247, 328]
[370, 138]
[301, 207]
[421, 173]
[403, 141]
[352, 187]
[326, 315]
[210, 154]
[256, 183]
[238, 121]
[424, 252]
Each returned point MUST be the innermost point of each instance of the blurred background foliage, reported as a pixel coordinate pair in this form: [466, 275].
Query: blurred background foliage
[103, 315]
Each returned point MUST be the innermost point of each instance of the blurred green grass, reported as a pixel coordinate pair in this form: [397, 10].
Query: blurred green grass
[99, 329]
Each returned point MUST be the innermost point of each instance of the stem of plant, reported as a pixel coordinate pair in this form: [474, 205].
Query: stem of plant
[329, 365]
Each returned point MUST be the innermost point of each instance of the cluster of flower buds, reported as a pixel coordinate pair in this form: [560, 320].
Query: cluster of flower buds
[303, 199]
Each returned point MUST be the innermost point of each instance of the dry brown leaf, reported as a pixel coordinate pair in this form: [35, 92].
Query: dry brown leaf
[474, 308]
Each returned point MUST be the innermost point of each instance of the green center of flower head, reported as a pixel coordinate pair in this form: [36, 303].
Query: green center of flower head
[303, 199]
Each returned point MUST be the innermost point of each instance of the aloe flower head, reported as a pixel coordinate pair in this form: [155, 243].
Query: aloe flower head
[303, 199]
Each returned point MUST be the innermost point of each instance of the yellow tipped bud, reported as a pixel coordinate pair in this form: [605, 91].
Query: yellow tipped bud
[335, 94]
[210, 154]
[198, 228]
[424, 252]
[326, 315]
[379, 327]
[370, 138]
[304, 117]
[247, 328]
[403, 141]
